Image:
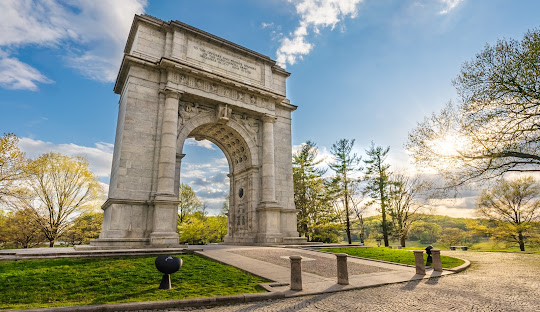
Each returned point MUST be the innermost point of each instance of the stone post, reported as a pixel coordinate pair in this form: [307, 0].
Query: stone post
[437, 264]
[419, 262]
[268, 181]
[296, 272]
[342, 271]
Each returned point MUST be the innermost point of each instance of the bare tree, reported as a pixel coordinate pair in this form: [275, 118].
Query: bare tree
[496, 128]
[405, 201]
[514, 205]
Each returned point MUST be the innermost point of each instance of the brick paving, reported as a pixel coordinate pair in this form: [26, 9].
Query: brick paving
[322, 264]
[495, 282]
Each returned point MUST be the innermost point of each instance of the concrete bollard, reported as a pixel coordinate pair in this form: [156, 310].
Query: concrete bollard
[437, 264]
[296, 272]
[342, 271]
[419, 262]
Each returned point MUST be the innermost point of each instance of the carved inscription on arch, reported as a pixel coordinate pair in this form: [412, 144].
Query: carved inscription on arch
[219, 58]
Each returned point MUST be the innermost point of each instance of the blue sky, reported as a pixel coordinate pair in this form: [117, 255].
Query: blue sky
[361, 69]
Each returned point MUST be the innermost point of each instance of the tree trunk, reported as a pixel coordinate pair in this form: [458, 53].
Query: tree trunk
[51, 243]
[361, 230]
[402, 239]
[521, 242]
[347, 215]
[384, 227]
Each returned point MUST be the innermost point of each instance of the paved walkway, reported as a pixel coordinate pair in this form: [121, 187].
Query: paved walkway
[319, 271]
[494, 282]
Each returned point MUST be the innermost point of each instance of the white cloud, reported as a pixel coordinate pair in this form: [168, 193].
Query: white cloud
[93, 33]
[99, 157]
[314, 16]
[15, 74]
[203, 143]
[449, 5]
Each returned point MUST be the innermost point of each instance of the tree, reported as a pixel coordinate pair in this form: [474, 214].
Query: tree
[345, 165]
[310, 193]
[453, 237]
[425, 232]
[225, 207]
[21, 229]
[189, 202]
[377, 176]
[57, 188]
[496, 127]
[3, 232]
[85, 227]
[404, 203]
[12, 165]
[514, 205]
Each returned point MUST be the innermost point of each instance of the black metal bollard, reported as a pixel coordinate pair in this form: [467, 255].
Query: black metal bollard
[167, 265]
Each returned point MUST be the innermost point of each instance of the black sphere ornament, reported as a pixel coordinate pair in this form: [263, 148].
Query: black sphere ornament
[167, 265]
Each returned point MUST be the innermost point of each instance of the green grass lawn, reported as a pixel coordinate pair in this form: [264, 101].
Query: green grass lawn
[80, 281]
[392, 255]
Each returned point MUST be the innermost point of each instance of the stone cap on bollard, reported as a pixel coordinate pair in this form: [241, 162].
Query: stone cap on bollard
[339, 255]
[295, 257]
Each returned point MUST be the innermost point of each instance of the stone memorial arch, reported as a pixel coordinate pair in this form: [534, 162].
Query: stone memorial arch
[178, 82]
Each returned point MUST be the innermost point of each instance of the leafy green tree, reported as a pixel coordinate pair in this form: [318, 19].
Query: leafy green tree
[3, 232]
[193, 230]
[198, 229]
[85, 227]
[12, 166]
[57, 188]
[377, 176]
[326, 232]
[495, 128]
[345, 165]
[311, 196]
[21, 229]
[425, 232]
[514, 205]
[189, 202]
[453, 237]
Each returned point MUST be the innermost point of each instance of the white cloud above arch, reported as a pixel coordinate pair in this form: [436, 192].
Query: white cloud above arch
[89, 37]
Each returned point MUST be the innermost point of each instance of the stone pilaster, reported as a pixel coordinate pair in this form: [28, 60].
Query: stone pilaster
[268, 160]
[167, 151]
[166, 201]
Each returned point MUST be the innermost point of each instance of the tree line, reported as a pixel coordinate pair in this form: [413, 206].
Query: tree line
[52, 197]
[490, 139]
[329, 203]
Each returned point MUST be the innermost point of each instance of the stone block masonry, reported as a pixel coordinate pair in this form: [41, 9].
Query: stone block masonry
[178, 82]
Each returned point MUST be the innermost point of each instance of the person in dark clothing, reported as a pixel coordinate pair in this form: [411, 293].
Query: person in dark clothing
[428, 251]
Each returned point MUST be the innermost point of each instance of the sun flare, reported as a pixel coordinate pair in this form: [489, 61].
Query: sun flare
[448, 146]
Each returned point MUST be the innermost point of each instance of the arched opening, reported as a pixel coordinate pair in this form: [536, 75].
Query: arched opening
[205, 169]
[208, 137]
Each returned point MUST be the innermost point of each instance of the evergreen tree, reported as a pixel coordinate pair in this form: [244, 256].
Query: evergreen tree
[309, 187]
[377, 174]
[345, 165]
